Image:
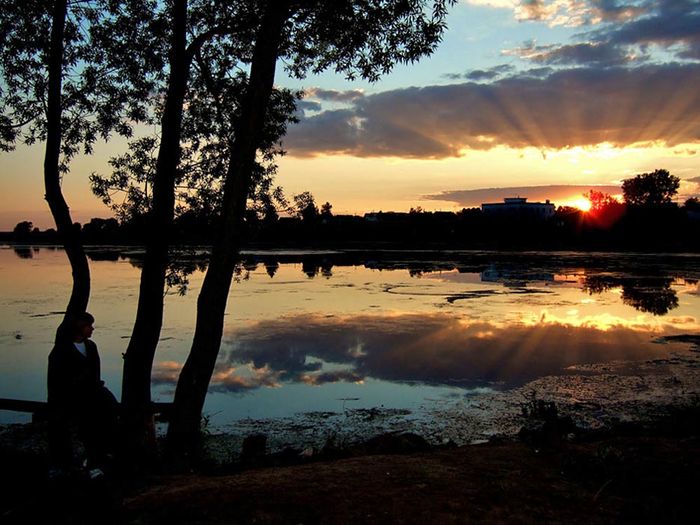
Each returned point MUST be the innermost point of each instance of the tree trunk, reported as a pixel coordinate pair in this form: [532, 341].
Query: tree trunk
[184, 428]
[69, 234]
[139, 435]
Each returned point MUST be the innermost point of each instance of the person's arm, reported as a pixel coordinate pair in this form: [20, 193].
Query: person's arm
[95, 361]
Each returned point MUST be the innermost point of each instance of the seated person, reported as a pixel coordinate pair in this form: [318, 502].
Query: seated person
[77, 398]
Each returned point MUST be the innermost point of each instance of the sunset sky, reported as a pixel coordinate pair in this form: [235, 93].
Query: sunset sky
[537, 98]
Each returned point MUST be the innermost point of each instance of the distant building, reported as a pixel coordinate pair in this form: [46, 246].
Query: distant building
[518, 206]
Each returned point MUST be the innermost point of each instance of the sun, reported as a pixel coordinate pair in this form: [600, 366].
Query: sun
[581, 203]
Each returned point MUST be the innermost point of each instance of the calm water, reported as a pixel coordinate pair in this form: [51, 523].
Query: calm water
[323, 332]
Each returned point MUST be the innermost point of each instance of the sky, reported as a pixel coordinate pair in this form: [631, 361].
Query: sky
[538, 98]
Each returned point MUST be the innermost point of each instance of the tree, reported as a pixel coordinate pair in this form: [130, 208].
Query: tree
[692, 204]
[357, 38]
[600, 200]
[305, 207]
[650, 189]
[326, 210]
[23, 230]
[59, 86]
[206, 42]
[605, 210]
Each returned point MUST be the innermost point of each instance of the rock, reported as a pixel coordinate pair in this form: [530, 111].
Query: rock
[254, 447]
[550, 432]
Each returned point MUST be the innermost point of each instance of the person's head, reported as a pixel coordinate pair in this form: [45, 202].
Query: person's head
[82, 326]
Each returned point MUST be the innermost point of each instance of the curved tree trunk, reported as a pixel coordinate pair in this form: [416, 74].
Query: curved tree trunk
[70, 234]
[139, 433]
[184, 428]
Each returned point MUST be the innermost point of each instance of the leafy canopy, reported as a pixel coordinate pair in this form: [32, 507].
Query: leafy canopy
[650, 189]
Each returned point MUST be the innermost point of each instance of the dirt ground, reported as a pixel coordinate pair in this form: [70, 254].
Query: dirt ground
[621, 479]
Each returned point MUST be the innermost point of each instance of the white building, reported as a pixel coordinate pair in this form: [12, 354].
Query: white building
[518, 206]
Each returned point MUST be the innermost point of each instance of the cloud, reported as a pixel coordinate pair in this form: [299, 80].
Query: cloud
[554, 193]
[166, 372]
[485, 74]
[598, 54]
[309, 105]
[672, 23]
[431, 348]
[333, 95]
[347, 376]
[570, 13]
[576, 107]
[623, 30]
[226, 378]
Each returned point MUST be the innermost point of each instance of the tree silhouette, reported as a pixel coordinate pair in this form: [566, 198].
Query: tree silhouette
[305, 207]
[605, 210]
[653, 295]
[650, 189]
[23, 229]
[326, 210]
[201, 44]
[59, 85]
[357, 38]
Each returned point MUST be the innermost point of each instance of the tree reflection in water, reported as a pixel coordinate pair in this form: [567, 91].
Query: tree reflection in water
[652, 295]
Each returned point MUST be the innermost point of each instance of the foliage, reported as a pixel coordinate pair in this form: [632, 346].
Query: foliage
[23, 229]
[105, 87]
[692, 204]
[650, 189]
[219, 48]
[605, 210]
[305, 207]
[326, 210]
[364, 38]
[600, 200]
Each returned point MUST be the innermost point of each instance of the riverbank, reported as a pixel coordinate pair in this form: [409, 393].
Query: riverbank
[555, 472]
[621, 480]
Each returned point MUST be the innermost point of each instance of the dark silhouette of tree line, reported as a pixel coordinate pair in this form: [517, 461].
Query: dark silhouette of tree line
[647, 219]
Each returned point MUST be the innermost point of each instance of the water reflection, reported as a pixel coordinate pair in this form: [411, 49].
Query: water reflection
[431, 349]
[25, 252]
[653, 295]
[646, 282]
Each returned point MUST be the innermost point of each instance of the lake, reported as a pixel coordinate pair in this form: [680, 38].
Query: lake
[331, 342]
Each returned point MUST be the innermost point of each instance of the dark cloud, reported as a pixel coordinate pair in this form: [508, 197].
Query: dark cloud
[347, 376]
[694, 179]
[309, 105]
[426, 348]
[623, 31]
[536, 72]
[470, 198]
[673, 22]
[577, 107]
[597, 54]
[488, 74]
[333, 95]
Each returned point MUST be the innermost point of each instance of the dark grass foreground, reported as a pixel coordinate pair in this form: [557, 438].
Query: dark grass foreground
[632, 474]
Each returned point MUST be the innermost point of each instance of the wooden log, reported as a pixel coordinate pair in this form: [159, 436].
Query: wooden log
[39, 409]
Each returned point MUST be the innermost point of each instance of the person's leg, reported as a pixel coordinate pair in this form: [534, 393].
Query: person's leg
[59, 439]
[100, 427]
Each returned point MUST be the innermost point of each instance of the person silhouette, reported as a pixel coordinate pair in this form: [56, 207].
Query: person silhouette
[79, 400]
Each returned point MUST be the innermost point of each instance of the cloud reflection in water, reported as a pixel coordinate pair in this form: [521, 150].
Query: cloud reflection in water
[431, 349]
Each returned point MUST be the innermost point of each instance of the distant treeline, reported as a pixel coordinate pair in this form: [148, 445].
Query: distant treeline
[615, 226]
